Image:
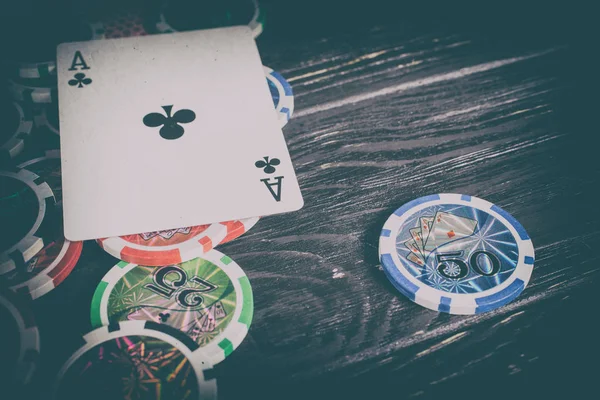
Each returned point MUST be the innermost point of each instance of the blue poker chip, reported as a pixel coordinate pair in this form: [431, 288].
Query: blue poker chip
[456, 254]
[283, 97]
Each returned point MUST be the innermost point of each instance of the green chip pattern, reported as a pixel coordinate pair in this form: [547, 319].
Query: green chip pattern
[96, 300]
[248, 305]
[209, 299]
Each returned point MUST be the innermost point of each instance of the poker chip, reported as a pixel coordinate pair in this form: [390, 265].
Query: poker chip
[456, 254]
[135, 360]
[191, 15]
[47, 168]
[21, 340]
[47, 118]
[31, 94]
[17, 128]
[46, 270]
[237, 228]
[208, 298]
[49, 267]
[257, 23]
[174, 245]
[38, 70]
[36, 60]
[283, 97]
[25, 204]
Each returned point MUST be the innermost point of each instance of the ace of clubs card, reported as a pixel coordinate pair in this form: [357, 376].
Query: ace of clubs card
[166, 131]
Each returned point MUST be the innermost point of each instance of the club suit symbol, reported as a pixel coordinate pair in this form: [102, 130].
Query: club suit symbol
[273, 184]
[267, 165]
[170, 124]
[163, 317]
[80, 80]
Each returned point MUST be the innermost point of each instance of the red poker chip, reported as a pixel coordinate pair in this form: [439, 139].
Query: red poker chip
[46, 270]
[238, 227]
[50, 266]
[174, 246]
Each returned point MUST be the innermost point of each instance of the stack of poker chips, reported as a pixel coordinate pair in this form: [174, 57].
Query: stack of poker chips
[190, 306]
[35, 257]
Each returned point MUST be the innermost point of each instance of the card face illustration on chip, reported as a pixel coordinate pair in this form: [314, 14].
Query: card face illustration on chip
[434, 231]
[165, 131]
[448, 227]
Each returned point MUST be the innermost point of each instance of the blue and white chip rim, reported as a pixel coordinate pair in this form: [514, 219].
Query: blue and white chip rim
[285, 105]
[454, 303]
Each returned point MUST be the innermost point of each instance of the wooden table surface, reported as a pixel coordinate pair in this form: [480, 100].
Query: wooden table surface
[394, 102]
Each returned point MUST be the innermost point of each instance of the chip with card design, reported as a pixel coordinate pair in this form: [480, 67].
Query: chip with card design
[456, 254]
[164, 131]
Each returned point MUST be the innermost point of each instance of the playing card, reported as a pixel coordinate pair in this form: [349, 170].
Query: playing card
[412, 246]
[164, 131]
[425, 223]
[447, 228]
[416, 235]
[412, 257]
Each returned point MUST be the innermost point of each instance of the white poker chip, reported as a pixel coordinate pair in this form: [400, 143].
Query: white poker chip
[32, 94]
[20, 325]
[133, 358]
[26, 201]
[47, 118]
[20, 124]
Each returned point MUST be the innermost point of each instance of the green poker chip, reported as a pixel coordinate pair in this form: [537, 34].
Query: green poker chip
[208, 298]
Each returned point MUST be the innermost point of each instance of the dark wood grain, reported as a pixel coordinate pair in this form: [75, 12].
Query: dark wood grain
[390, 108]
